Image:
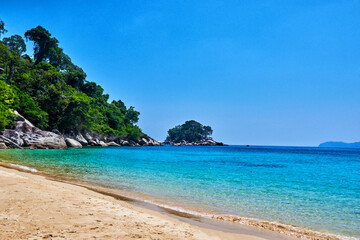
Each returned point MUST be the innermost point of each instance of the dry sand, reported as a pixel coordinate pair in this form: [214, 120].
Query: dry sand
[33, 207]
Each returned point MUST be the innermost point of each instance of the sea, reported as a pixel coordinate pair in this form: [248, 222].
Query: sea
[310, 188]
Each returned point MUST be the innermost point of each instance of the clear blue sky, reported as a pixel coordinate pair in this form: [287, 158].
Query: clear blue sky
[258, 72]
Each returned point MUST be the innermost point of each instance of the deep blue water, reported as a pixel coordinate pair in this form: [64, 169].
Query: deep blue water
[308, 187]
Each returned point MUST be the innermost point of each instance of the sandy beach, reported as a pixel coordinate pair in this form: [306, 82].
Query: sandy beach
[34, 207]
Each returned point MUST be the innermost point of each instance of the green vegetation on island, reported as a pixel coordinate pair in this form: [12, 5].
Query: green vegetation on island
[52, 92]
[191, 133]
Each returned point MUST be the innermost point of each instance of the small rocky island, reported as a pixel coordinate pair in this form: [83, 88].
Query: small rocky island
[191, 133]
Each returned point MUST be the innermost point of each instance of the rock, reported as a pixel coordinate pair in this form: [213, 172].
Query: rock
[23, 125]
[56, 131]
[143, 142]
[88, 137]
[125, 143]
[102, 143]
[177, 144]
[13, 136]
[92, 143]
[3, 146]
[208, 141]
[81, 139]
[72, 143]
[113, 144]
[31, 136]
[8, 142]
[44, 139]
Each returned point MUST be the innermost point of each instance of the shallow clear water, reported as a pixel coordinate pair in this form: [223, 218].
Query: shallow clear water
[308, 187]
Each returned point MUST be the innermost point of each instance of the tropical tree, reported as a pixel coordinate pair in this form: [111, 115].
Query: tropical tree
[2, 28]
[190, 131]
[16, 44]
[43, 43]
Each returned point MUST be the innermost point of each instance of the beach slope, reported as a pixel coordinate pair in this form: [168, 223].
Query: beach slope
[34, 207]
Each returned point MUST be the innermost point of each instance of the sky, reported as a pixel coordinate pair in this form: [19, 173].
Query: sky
[258, 72]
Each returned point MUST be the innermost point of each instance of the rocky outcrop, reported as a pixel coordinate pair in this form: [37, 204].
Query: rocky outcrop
[43, 139]
[148, 141]
[112, 144]
[13, 135]
[8, 142]
[26, 135]
[3, 146]
[92, 143]
[79, 137]
[208, 141]
[72, 143]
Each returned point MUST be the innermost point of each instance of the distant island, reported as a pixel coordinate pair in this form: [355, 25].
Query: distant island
[191, 133]
[339, 145]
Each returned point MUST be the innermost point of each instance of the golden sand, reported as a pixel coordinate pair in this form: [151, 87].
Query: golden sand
[33, 207]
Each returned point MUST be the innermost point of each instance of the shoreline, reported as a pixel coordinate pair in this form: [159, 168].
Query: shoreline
[215, 222]
[34, 207]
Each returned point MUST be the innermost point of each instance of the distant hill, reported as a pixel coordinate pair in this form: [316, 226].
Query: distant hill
[339, 145]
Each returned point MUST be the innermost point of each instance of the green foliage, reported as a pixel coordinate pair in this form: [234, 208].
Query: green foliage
[53, 93]
[2, 28]
[6, 116]
[6, 102]
[44, 44]
[16, 44]
[26, 106]
[190, 131]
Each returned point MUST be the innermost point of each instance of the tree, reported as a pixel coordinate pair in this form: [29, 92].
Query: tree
[53, 93]
[6, 101]
[92, 89]
[132, 115]
[190, 131]
[2, 28]
[16, 44]
[75, 77]
[207, 131]
[43, 43]
[26, 106]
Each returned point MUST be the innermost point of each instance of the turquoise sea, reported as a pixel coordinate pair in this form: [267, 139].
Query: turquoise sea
[314, 188]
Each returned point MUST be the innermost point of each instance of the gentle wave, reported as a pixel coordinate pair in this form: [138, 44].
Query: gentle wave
[281, 228]
[24, 168]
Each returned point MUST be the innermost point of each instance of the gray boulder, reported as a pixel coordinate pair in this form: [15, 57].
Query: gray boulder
[88, 137]
[8, 142]
[72, 143]
[92, 143]
[102, 143]
[43, 139]
[81, 139]
[113, 144]
[13, 135]
[33, 137]
[143, 142]
[3, 145]
[23, 125]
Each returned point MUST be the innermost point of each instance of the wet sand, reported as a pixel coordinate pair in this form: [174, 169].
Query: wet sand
[34, 207]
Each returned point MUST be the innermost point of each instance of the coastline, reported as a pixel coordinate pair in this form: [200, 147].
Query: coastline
[233, 225]
[34, 207]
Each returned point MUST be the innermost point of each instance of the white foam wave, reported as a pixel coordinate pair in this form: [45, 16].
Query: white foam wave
[24, 167]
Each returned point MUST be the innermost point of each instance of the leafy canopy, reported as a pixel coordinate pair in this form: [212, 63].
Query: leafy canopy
[16, 44]
[190, 131]
[53, 93]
